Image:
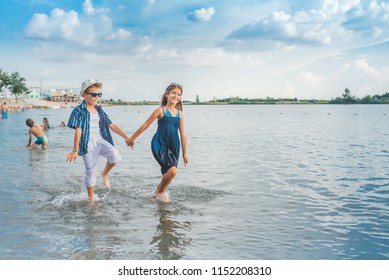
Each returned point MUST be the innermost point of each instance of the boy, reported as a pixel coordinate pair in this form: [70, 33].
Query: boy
[38, 133]
[92, 137]
[4, 111]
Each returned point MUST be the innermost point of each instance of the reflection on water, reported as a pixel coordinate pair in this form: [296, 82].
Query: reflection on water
[264, 182]
[99, 241]
[171, 237]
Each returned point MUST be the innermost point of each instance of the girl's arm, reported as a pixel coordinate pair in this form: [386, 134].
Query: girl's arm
[183, 139]
[115, 128]
[72, 156]
[154, 115]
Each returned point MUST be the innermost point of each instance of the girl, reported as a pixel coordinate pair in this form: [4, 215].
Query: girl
[165, 144]
[45, 124]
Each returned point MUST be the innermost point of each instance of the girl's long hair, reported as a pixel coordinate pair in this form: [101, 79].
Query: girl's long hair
[46, 120]
[168, 91]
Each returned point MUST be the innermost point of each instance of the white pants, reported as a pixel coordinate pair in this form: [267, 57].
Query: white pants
[100, 148]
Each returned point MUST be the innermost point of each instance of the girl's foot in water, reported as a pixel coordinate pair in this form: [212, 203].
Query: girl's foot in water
[163, 197]
[157, 189]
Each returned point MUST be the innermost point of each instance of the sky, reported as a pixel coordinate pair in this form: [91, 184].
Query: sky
[215, 49]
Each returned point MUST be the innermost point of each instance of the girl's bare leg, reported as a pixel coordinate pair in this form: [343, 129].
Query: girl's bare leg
[167, 178]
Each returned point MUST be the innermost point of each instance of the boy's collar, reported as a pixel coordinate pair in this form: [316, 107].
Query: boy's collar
[83, 105]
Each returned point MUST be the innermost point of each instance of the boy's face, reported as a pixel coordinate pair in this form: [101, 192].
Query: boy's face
[90, 100]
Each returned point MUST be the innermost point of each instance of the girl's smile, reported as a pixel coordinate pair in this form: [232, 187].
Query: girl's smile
[174, 96]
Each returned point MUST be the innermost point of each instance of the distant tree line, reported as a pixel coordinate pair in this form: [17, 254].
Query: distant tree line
[239, 100]
[267, 100]
[15, 83]
[347, 98]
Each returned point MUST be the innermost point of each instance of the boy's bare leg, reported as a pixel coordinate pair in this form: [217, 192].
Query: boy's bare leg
[91, 193]
[33, 146]
[104, 174]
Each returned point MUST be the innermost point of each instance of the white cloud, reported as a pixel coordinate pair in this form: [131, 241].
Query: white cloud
[364, 65]
[88, 8]
[345, 67]
[203, 14]
[59, 25]
[333, 21]
[289, 90]
[147, 9]
[330, 6]
[311, 78]
[302, 27]
[214, 57]
[370, 22]
[144, 49]
[69, 26]
[121, 7]
[120, 35]
[37, 27]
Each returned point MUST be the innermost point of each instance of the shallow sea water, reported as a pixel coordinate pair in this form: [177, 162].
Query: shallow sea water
[263, 182]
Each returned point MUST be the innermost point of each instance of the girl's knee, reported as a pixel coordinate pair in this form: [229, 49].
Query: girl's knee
[172, 172]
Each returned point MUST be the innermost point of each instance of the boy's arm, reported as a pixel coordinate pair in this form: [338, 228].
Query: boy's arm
[72, 156]
[29, 137]
[115, 128]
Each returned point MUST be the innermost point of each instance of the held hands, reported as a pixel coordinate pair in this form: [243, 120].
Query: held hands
[130, 142]
[71, 156]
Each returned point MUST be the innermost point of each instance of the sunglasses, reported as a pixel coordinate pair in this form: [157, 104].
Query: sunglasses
[94, 94]
[175, 85]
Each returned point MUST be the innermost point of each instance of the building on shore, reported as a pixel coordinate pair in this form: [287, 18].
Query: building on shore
[61, 95]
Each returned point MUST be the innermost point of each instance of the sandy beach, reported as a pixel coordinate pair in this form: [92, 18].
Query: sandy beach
[22, 104]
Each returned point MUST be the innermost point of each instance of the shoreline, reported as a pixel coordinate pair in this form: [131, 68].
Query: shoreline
[22, 104]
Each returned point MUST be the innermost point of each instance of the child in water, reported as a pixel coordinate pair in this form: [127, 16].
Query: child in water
[45, 124]
[165, 144]
[4, 111]
[37, 131]
[92, 137]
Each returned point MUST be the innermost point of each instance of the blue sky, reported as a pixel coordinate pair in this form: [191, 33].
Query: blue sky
[302, 49]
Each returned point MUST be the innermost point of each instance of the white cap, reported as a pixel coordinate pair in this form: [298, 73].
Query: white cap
[88, 83]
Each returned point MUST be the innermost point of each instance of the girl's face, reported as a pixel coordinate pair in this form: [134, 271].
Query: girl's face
[174, 96]
[90, 100]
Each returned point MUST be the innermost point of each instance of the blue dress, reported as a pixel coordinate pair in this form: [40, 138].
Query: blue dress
[165, 144]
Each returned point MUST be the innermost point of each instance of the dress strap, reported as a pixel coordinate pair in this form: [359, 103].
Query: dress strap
[167, 113]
